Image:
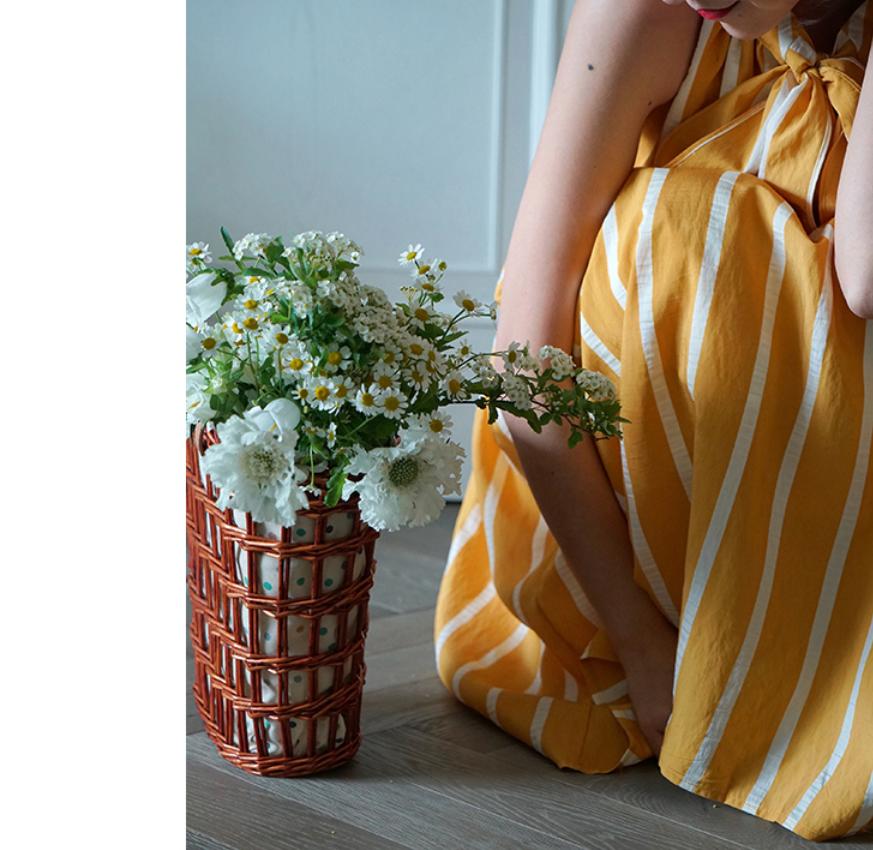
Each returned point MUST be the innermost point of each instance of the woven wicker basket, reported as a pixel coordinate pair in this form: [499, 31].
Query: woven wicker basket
[279, 618]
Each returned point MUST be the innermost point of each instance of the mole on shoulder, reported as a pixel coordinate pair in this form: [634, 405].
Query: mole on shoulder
[590, 67]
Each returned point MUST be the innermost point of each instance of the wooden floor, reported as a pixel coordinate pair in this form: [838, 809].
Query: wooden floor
[432, 773]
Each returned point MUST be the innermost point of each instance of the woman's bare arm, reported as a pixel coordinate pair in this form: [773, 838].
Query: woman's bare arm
[853, 244]
[620, 60]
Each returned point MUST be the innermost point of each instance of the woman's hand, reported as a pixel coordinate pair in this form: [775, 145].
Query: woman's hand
[647, 651]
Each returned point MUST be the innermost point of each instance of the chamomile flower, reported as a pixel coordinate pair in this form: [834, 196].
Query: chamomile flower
[455, 385]
[338, 357]
[365, 401]
[466, 302]
[437, 424]
[321, 392]
[392, 403]
[512, 356]
[343, 390]
[197, 255]
[385, 377]
[410, 255]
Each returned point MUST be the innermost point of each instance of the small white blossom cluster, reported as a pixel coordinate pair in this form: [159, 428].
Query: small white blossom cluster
[304, 369]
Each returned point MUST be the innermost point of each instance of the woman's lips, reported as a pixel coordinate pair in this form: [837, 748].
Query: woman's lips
[716, 14]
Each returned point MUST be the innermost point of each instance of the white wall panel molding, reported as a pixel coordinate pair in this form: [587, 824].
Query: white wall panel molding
[546, 38]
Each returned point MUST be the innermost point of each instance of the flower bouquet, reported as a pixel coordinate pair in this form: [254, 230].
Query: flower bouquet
[319, 418]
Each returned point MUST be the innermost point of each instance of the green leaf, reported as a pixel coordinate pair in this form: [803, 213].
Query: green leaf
[227, 240]
[255, 271]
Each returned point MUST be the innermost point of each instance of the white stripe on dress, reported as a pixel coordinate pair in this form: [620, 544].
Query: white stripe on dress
[571, 687]
[677, 107]
[782, 102]
[739, 454]
[641, 548]
[577, 592]
[827, 596]
[619, 689]
[467, 613]
[537, 549]
[609, 228]
[537, 682]
[790, 461]
[816, 171]
[842, 742]
[490, 657]
[731, 70]
[544, 706]
[709, 267]
[491, 705]
[463, 534]
[598, 346]
[651, 350]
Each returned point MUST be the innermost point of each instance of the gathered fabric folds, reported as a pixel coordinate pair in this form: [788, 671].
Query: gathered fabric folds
[710, 300]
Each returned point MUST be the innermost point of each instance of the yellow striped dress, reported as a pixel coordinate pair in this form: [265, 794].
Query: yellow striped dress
[744, 474]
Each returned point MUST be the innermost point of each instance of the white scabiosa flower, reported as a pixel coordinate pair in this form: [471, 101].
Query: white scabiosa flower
[198, 405]
[204, 294]
[254, 467]
[404, 485]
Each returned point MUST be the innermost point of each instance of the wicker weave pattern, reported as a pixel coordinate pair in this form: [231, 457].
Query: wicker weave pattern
[288, 706]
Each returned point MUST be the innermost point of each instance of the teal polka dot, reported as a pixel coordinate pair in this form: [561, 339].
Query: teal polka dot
[301, 582]
[350, 516]
[329, 529]
[267, 724]
[268, 586]
[343, 566]
[293, 724]
[332, 646]
[323, 630]
[298, 678]
[301, 532]
[268, 636]
[328, 582]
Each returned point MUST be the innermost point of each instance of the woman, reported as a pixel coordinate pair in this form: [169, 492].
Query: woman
[713, 568]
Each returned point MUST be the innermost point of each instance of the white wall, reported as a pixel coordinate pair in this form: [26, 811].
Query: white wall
[393, 121]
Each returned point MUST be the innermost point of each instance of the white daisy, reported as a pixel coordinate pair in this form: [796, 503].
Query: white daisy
[365, 401]
[454, 384]
[197, 255]
[410, 255]
[466, 302]
[392, 403]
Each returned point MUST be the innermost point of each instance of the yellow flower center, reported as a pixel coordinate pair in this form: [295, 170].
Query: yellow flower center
[322, 393]
[251, 304]
[388, 357]
[251, 324]
[281, 338]
[454, 386]
[416, 349]
[384, 381]
[303, 393]
[512, 356]
[436, 426]
[424, 269]
[417, 377]
[411, 255]
[342, 391]
[295, 363]
[334, 358]
[209, 343]
[421, 314]
[428, 287]
[468, 305]
[195, 252]
[236, 328]
[392, 403]
[367, 400]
